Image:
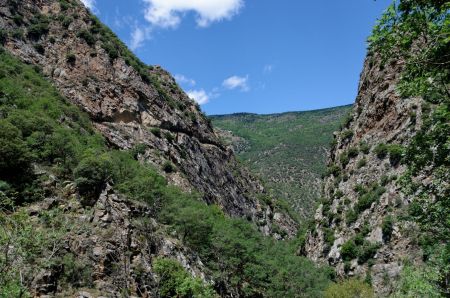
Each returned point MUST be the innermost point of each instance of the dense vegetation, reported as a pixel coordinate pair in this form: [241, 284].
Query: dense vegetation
[287, 150]
[417, 32]
[42, 136]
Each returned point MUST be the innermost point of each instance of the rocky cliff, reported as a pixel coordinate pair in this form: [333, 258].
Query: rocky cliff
[386, 195]
[132, 104]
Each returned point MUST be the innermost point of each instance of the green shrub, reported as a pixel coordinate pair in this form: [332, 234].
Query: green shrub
[349, 251]
[334, 170]
[344, 159]
[387, 227]
[66, 21]
[351, 288]
[329, 236]
[169, 137]
[381, 150]
[351, 216]
[15, 157]
[139, 149]
[361, 163]
[71, 58]
[395, 154]
[353, 152]
[346, 134]
[367, 199]
[367, 251]
[156, 131]
[39, 26]
[111, 50]
[174, 281]
[87, 36]
[92, 174]
[364, 147]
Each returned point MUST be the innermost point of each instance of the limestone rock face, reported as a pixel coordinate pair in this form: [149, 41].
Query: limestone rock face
[380, 116]
[129, 108]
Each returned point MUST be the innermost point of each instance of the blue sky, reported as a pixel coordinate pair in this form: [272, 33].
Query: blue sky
[260, 56]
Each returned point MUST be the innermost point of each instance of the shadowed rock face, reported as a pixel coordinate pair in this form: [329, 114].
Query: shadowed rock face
[130, 110]
[380, 116]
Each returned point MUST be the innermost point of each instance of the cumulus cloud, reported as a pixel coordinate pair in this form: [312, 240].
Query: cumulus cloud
[236, 82]
[89, 3]
[138, 36]
[185, 80]
[168, 13]
[199, 96]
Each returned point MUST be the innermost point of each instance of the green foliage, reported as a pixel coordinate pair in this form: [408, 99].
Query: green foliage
[346, 134]
[87, 36]
[351, 288]
[15, 157]
[39, 26]
[286, 148]
[344, 159]
[417, 282]
[349, 250]
[168, 167]
[361, 163]
[364, 147]
[92, 174]
[416, 32]
[381, 151]
[174, 281]
[232, 249]
[138, 150]
[71, 58]
[351, 216]
[367, 199]
[395, 153]
[352, 152]
[156, 131]
[387, 227]
[329, 236]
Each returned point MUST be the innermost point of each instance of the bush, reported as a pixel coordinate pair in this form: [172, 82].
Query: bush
[91, 174]
[156, 131]
[395, 154]
[39, 48]
[174, 281]
[353, 152]
[346, 134]
[334, 170]
[367, 199]
[87, 36]
[329, 236]
[351, 216]
[71, 58]
[381, 150]
[66, 22]
[367, 251]
[344, 159]
[39, 26]
[349, 251]
[361, 163]
[111, 50]
[387, 227]
[364, 147]
[351, 288]
[15, 157]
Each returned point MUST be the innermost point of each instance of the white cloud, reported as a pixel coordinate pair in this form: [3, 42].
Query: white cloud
[185, 80]
[138, 36]
[89, 4]
[236, 82]
[199, 96]
[168, 13]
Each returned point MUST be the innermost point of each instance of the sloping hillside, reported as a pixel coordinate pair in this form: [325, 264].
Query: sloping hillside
[132, 104]
[287, 150]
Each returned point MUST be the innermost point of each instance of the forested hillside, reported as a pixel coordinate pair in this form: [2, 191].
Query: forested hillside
[287, 150]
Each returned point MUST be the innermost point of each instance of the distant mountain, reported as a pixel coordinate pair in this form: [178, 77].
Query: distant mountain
[287, 150]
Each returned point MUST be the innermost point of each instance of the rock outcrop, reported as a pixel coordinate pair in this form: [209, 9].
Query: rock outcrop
[354, 230]
[132, 104]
